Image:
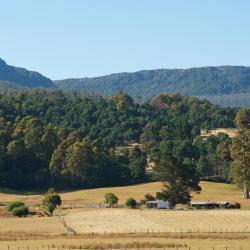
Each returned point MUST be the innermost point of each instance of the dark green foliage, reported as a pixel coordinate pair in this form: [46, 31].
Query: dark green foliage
[240, 152]
[214, 156]
[51, 201]
[137, 165]
[149, 197]
[15, 204]
[111, 198]
[131, 202]
[179, 177]
[21, 211]
[66, 140]
[216, 82]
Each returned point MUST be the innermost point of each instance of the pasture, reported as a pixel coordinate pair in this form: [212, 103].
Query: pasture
[210, 191]
[127, 228]
[158, 221]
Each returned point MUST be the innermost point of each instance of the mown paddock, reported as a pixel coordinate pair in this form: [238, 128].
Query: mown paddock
[159, 221]
[40, 228]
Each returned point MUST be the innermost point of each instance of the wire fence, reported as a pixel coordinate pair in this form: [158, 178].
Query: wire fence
[10, 247]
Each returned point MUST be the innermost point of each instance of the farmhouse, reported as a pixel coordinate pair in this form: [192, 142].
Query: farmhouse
[160, 204]
[209, 204]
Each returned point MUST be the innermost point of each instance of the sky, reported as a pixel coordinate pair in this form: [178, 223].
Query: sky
[86, 38]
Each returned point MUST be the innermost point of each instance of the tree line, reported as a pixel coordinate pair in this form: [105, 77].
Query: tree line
[68, 140]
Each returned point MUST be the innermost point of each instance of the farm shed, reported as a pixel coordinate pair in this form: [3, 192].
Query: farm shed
[160, 204]
[209, 204]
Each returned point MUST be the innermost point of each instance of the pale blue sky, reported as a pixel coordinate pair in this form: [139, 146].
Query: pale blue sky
[78, 38]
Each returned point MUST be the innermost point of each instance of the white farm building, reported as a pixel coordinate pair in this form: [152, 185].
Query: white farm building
[160, 204]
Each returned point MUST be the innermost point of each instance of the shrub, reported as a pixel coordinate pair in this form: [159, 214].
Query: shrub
[236, 205]
[20, 211]
[149, 197]
[111, 198]
[15, 204]
[142, 202]
[51, 201]
[130, 202]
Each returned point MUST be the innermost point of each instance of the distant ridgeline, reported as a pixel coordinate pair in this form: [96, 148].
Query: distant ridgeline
[14, 78]
[66, 140]
[224, 85]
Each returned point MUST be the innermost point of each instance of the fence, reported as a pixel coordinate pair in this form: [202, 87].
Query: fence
[9, 247]
[93, 205]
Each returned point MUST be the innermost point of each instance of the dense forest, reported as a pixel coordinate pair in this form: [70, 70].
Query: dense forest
[224, 85]
[221, 85]
[70, 140]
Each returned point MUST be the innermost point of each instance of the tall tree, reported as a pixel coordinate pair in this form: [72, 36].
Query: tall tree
[179, 179]
[79, 160]
[240, 151]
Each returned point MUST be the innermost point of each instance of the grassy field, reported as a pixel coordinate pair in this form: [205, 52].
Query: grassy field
[128, 241]
[133, 228]
[37, 225]
[210, 191]
[143, 221]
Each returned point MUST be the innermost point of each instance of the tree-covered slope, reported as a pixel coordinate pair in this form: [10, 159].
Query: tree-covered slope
[69, 140]
[17, 78]
[205, 81]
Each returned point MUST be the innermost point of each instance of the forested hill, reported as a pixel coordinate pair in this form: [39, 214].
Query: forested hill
[68, 140]
[222, 85]
[14, 78]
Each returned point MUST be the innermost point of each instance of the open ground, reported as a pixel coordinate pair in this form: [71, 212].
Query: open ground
[126, 228]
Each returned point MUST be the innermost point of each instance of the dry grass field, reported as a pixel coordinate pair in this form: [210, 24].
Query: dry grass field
[145, 221]
[38, 225]
[194, 241]
[210, 191]
[148, 229]
[231, 132]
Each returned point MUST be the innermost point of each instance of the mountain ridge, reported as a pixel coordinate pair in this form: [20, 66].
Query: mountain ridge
[22, 78]
[225, 85]
[197, 81]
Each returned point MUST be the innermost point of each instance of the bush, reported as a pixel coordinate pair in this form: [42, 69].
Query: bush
[149, 197]
[20, 211]
[131, 202]
[111, 198]
[51, 201]
[15, 204]
[236, 205]
[142, 202]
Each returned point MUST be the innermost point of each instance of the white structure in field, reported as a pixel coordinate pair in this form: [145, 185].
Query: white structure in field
[160, 204]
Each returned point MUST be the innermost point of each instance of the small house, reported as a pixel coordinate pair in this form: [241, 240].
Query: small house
[160, 204]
